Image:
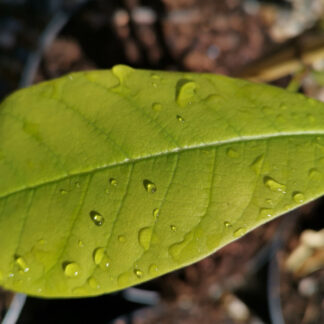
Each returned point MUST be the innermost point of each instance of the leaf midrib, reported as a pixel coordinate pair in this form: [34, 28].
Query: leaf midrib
[173, 151]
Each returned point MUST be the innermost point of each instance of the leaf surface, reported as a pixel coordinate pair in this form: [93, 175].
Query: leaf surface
[111, 178]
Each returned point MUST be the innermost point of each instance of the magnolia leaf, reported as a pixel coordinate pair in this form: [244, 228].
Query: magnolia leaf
[111, 178]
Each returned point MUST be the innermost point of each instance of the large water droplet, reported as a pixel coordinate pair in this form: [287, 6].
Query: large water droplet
[180, 119]
[122, 72]
[93, 283]
[265, 212]
[257, 164]
[138, 273]
[274, 185]
[96, 217]
[298, 197]
[239, 232]
[185, 92]
[157, 106]
[153, 269]
[21, 263]
[71, 269]
[144, 237]
[98, 255]
[232, 153]
[149, 186]
[156, 212]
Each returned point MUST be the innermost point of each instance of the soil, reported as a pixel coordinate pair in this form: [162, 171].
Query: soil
[230, 286]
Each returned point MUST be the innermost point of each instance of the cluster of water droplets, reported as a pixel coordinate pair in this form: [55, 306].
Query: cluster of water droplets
[100, 257]
[185, 95]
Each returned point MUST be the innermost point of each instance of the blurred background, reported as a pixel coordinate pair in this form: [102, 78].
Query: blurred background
[274, 274]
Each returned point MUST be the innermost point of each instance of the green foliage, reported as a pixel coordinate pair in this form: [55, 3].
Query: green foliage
[111, 178]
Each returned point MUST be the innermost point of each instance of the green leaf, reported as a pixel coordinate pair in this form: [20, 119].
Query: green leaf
[111, 178]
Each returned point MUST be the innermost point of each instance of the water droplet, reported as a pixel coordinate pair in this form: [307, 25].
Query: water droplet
[227, 224]
[77, 184]
[93, 283]
[180, 119]
[311, 118]
[239, 232]
[96, 217]
[113, 182]
[153, 269]
[144, 237]
[173, 228]
[269, 202]
[122, 72]
[123, 279]
[232, 153]
[298, 197]
[41, 242]
[63, 192]
[156, 213]
[257, 164]
[32, 129]
[105, 262]
[80, 244]
[155, 79]
[265, 212]
[121, 238]
[149, 186]
[176, 249]
[71, 269]
[314, 174]
[280, 118]
[214, 100]
[98, 255]
[21, 264]
[80, 291]
[138, 273]
[274, 185]
[157, 106]
[185, 92]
